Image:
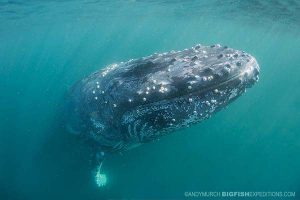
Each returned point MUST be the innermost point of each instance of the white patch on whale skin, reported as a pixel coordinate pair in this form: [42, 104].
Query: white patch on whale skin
[108, 69]
[98, 124]
[233, 93]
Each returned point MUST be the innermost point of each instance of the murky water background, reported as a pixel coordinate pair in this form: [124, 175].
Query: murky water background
[46, 46]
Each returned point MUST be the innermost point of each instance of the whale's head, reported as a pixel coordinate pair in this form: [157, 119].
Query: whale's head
[181, 88]
[142, 99]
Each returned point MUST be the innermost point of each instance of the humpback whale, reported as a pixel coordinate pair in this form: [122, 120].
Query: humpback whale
[130, 103]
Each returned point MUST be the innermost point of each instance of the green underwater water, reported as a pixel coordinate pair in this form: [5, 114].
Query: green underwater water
[46, 46]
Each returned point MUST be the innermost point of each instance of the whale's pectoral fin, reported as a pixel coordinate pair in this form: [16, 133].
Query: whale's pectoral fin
[100, 178]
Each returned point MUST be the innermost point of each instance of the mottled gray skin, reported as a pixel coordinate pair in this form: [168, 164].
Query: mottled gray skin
[129, 103]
